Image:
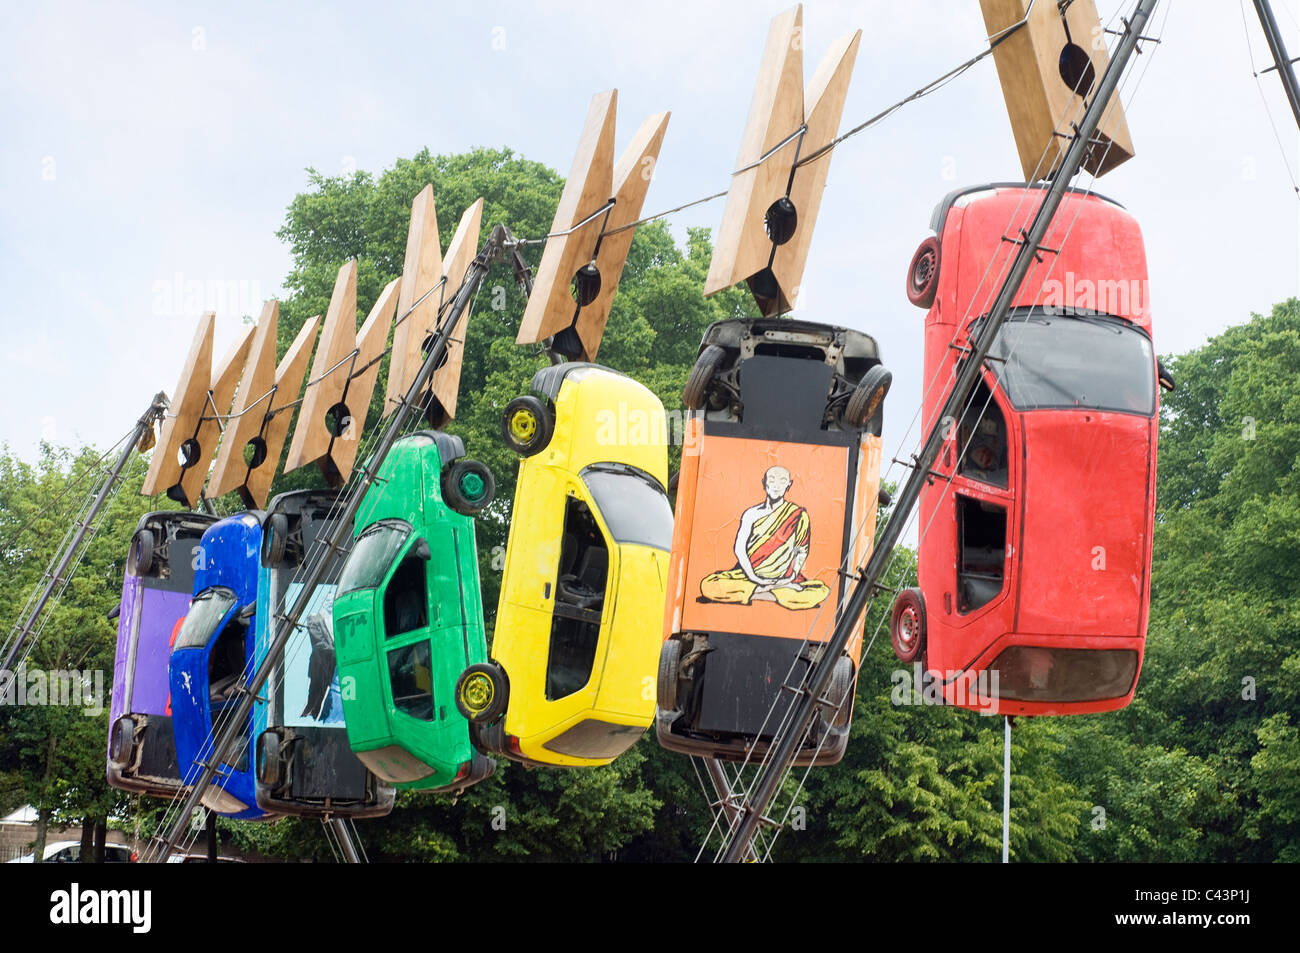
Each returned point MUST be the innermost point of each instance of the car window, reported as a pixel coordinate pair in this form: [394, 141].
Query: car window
[206, 612]
[372, 554]
[406, 598]
[982, 439]
[579, 601]
[633, 503]
[1074, 361]
[410, 673]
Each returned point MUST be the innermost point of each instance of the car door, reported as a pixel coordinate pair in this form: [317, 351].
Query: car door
[403, 612]
[978, 529]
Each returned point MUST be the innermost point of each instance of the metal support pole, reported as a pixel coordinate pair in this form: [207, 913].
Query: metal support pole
[781, 753]
[23, 630]
[345, 840]
[212, 837]
[234, 725]
[1006, 789]
[726, 798]
[1275, 46]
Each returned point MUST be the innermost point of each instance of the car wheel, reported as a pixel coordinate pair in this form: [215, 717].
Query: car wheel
[270, 767]
[481, 692]
[841, 687]
[923, 274]
[122, 741]
[696, 391]
[670, 657]
[275, 539]
[907, 625]
[139, 559]
[468, 486]
[527, 425]
[491, 739]
[867, 398]
[481, 768]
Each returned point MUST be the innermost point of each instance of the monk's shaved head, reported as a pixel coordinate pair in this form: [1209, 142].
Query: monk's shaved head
[776, 481]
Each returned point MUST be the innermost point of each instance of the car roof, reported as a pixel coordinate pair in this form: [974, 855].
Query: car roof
[940, 213]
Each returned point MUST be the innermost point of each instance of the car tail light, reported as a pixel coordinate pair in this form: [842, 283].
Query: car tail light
[135, 856]
[512, 743]
[1035, 674]
[463, 773]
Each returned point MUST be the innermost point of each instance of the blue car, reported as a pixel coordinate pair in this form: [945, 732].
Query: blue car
[215, 650]
[305, 766]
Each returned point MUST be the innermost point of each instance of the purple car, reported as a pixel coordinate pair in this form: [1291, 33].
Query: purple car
[156, 592]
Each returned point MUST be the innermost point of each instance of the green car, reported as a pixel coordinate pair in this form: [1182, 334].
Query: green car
[408, 616]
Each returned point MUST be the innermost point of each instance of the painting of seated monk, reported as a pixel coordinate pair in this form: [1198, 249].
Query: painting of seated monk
[771, 548]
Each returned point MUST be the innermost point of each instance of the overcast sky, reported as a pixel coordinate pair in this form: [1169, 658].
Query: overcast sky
[149, 146]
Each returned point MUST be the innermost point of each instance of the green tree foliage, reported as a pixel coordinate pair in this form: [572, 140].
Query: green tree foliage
[53, 754]
[1193, 769]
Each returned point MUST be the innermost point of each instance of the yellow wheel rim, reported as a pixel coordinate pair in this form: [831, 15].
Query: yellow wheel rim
[477, 692]
[523, 424]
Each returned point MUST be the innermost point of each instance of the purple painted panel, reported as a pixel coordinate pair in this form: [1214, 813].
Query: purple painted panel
[131, 588]
[163, 612]
[149, 618]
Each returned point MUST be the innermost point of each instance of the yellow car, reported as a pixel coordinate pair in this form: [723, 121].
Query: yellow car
[576, 646]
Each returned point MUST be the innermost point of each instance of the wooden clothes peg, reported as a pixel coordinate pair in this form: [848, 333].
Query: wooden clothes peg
[423, 269]
[1047, 67]
[776, 192]
[189, 437]
[590, 233]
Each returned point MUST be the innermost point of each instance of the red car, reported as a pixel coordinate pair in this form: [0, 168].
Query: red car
[1035, 554]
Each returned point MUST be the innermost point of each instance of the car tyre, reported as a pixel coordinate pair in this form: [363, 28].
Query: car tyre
[696, 391]
[491, 738]
[270, 764]
[907, 625]
[868, 397]
[923, 274]
[468, 486]
[482, 692]
[527, 425]
[140, 556]
[122, 741]
[840, 691]
[670, 657]
[275, 539]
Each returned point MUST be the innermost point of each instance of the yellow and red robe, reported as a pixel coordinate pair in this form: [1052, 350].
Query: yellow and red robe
[775, 540]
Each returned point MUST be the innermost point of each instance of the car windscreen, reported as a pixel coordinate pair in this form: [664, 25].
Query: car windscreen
[1074, 361]
[634, 504]
[372, 554]
[206, 612]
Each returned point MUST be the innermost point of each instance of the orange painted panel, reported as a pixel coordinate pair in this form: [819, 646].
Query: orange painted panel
[784, 504]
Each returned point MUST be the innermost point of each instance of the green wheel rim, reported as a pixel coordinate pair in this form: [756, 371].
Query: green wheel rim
[473, 486]
[477, 692]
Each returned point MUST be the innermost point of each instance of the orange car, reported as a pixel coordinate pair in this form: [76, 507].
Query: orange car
[777, 493]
